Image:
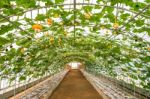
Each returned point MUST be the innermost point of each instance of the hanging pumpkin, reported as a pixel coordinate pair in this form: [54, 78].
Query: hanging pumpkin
[56, 15]
[115, 25]
[37, 27]
[51, 40]
[49, 21]
[65, 33]
[116, 32]
[87, 15]
[59, 41]
[22, 50]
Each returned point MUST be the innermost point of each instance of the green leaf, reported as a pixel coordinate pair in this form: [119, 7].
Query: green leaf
[5, 28]
[3, 40]
[26, 3]
[40, 17]
[59, 1]
[124, 16]
[5, 3]
[22, 41]
[22, 77]
[139, 23]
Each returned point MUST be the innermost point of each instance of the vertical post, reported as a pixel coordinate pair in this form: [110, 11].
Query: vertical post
[74, 21]
[0, 83]
[15, 85]
[3, 89]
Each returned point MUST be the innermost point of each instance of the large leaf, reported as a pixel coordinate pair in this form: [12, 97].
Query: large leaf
[3, 40]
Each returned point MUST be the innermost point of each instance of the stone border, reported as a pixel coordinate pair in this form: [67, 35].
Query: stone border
[20, 88]
[39, 90]
[49, 92]
[136, 91]
[107, 87]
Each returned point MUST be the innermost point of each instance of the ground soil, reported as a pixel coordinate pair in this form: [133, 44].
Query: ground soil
[75, 86]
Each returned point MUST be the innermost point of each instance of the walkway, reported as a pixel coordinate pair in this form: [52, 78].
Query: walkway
[75, 86]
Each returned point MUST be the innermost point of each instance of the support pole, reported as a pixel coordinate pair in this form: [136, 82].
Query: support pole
[74, 21]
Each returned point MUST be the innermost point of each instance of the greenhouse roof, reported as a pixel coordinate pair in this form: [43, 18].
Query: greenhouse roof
[35, 34]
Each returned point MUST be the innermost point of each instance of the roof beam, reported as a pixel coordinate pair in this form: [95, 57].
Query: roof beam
[121, 8]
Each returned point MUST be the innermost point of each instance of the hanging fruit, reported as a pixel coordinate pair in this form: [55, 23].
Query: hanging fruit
[51, 40]
[116, 32]
[29, 38]
[22, 50]
[65, 33]
[56, 15]
[37, 27]
[87, 15]
[109, 46]
[49, 21]
[59, 41]
[116, 25]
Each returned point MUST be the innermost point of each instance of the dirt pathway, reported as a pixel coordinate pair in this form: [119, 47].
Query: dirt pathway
[75, 86]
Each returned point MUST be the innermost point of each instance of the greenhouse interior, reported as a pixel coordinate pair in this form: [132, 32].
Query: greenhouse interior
[74, 49]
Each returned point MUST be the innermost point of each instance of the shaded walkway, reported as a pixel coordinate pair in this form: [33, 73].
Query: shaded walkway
[75, 86]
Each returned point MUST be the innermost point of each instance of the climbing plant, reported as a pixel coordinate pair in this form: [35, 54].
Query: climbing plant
[43, 35]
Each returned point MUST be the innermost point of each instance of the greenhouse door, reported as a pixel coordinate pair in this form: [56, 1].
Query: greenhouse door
[74, 65]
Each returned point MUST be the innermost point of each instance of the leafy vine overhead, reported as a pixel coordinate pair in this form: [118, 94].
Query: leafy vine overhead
[43, 35]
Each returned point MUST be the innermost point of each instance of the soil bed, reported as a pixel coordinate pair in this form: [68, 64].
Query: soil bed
[75, 86]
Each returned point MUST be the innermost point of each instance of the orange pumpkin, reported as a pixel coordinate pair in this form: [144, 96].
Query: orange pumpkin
[115, 25]
[49, 21]
[37, 27]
